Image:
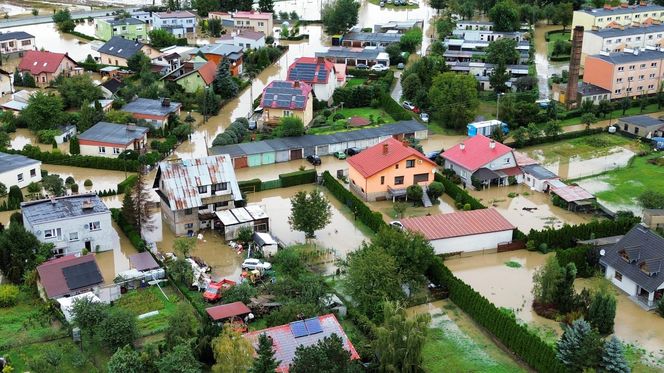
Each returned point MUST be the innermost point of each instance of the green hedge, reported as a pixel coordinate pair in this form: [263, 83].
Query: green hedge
[127, 183]
[253, 185]
[562, 136]
[357, 73]
[565, 237]
[516, 337]
[298, 178]
[458, 194]
[129, 230]
[559, 58]
[547, 35]
[373, 220]
[581, 257]
[86, 161]
[395, 110]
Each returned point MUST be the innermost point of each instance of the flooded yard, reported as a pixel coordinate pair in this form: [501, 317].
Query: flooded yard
[101, 179]
[24, 136]
[528, 209]
[115, 261]
[445, 205]
[48, 37]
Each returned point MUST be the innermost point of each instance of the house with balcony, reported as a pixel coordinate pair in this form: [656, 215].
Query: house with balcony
[71, 223]
[155, 112]
[480, 160]
[287, 99]
[111, 139]
[252, 20]
[218, 52]
[128, 28]
[320, 73]
[117, 50]
[16, 42]
[634, 265]
[193, 190]
[387, 169]
[179, 23]
[45, 66]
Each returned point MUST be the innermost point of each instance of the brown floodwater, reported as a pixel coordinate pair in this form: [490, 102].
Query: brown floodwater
[112, 262]
[544, 215]
[24, 136]
[101, 179]
[581, 166]
[545, 68]
[48, 37]
[446, 205]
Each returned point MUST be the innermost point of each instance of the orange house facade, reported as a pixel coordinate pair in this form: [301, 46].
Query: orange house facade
[626, 74]
[387, 169]
[218, 52]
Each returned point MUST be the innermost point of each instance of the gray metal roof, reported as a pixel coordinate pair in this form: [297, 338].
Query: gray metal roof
[299, 142]
[644, 249]
[642, 121]
[10, 162]
[15, 35]
[376, 37]
[113, 133]
[220, 49]
[600, 12]
[120, 47]
[150, 107]
[368, 53]
[626, 57]
[178, 181]
[46, 210]
[125, 21]
[587, 89]
[539, 172]
[616, 32]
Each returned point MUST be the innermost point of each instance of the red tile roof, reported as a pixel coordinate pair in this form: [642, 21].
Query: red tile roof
[457, 224]
[37, 62]
[284, 342]
[225, 311]
[51, 275]
[320, 64]
[374, 159]
[522, 159]
[477, 152]
[208, 72]
[512, 171]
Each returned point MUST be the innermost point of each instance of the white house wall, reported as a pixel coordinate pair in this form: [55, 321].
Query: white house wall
[626, 285]
[505, 161]
[471, 243]
[10, 178]
[105, 237]
[94, 150]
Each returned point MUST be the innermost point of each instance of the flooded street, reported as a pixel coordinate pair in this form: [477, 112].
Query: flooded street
[115, 261]
[545, 68]
[544, 215]
[48, 37]
[576, 166]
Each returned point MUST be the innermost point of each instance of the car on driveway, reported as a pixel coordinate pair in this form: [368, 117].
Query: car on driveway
[400, 66]
[424, 117]
[408, 105]
[252, 263]
[361, 66]
[340, 155]
[379, 67]
[314, 160]
[352, 151]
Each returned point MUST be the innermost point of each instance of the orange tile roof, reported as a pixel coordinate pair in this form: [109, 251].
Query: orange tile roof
[208, 72]
[375, 159]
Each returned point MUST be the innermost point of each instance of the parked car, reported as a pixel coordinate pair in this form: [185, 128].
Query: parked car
[352, 151]
[424, 117]
[314, 160]
[382, 4]
[408, 105]
[252, 263]
[401, 66]
[340, 155]
[379, 67]
[433, 155]
[396, 225]
[362, 66]
[214, 290]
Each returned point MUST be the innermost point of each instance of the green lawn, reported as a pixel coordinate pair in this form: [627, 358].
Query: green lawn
[456, 344]
[27, 322]
[352, 82]
[616, 114]
[71, 358]
[629, 182]
[554, 37]
[584, 147]
[340, 126]
[145, 300]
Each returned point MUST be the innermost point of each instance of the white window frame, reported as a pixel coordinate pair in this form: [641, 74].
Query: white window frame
[95, 226]
[102, 149]
[52, 233]
[73, 236]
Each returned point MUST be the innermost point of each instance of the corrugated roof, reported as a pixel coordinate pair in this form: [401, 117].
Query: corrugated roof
[113, 133]
[225, 311]
[65, 207]
[285, 343]
[571, 193]
[179, 180]
[477, 152]
[539, 172]
[53, 279]
[457, 224]
[383, 155]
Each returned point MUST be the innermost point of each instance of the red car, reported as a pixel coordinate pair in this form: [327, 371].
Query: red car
[214, 290]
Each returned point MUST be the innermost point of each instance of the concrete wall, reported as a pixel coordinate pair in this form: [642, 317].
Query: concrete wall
[625, 284]
[471, 243]
[177, 220]
[104, 237]
[10, 178]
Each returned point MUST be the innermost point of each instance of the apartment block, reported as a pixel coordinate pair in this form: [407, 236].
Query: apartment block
[623, 15]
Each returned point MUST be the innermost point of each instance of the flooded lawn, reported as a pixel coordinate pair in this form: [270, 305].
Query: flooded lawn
[456, 344]
[24, 136]
[544, 215]
[117, 260]
[101, 179]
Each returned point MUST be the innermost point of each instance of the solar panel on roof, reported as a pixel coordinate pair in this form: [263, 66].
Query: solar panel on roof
[298, 329]
[82, 275]
[313, 325]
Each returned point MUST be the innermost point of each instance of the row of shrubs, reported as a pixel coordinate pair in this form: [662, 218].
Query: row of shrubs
[127, 183]
[373, 220]
[527, 345]
[459, 195]
[285, 180]
[86, 161]
[559, 137]
[129, 230]
[393, 108]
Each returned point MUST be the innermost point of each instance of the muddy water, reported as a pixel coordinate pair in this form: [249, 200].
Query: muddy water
[576, 166]
[598, 184]
[502, 285]
[24, 136]
[545, 215]
[115, 261]
[101, 179]
[446, 205]
[49, 38]
[341, 235]
[12, 10]
[545, 68]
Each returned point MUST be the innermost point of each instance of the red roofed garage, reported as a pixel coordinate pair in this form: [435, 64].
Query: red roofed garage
[462, 231]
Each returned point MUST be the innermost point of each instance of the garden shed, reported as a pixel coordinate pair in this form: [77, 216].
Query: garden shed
[231, 221]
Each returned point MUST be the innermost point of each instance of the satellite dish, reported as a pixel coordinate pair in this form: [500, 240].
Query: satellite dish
[602, 252]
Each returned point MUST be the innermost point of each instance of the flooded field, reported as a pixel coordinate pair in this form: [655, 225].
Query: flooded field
[48, 37]
[545, 214]
[24, 136]
[101, 179]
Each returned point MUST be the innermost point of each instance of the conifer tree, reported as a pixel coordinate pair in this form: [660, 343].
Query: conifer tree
[18, 78]
[579, 347]
[223, 84]
[613, 357]
[29, 80]
[265, 362]
[602, 312]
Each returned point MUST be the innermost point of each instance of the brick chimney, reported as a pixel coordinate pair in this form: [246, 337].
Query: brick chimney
[492, 144]
[296, 84]
[386, 148]
[574, 66]
[462, 146]
[166, 102]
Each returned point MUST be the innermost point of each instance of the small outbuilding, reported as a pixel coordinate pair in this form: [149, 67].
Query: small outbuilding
[228, 312]
[231, 221]
[143, 261]
[574, 197]
[538, 178]
[67, 303]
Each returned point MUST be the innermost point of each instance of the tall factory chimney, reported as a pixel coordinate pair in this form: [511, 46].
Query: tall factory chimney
[574, 65]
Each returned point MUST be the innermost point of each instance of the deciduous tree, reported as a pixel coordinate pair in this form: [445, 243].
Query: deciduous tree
[502, 51]
[77, 89]
[290, 126]
[505, 16]
[88, 314]
[339, 16]
[266, 6]
[44, 111]
[160, 38]
[179, 360]
[545, 281]
[180, 327]
[20, 252]
[454, 98]
[232, 352]
[499, 78]
[411, 40]
[651, 199]
[117, 329]
[53, 184]
[309, 212]
[400, 339]
[125, 360]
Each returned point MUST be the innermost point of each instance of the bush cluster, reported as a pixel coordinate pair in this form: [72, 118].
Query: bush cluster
[129, 230]
[459, 195]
